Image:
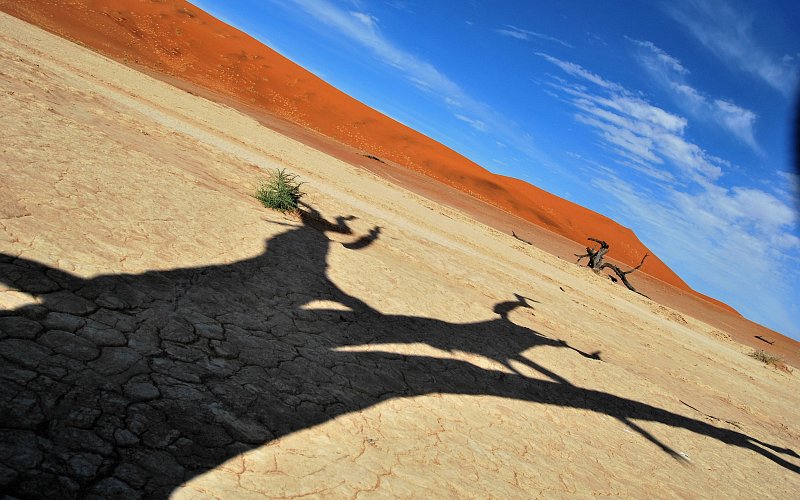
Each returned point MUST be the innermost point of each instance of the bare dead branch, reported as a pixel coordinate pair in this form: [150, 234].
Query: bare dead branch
[622, 276]
[602, 243]
[640, 264]
[520, 239]
[601, 253]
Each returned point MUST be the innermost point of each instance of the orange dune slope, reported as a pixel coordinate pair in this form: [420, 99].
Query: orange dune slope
[178, 39]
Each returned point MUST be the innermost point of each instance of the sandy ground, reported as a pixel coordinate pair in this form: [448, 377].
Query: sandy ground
[163, 334]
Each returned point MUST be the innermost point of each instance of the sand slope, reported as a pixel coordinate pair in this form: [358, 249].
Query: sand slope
[177, 38]
[161, 333]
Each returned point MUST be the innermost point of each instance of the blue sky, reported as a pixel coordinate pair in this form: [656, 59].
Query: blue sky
[672, 118]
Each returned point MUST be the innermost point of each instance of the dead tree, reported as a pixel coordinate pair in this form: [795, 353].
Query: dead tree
[596, 263]
[595, 254]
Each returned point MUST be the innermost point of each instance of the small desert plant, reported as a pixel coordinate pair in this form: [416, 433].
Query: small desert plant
[765, 357]
[280, 192]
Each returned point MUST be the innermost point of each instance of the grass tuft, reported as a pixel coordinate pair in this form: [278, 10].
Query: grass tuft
[765, 357]
[280, 192]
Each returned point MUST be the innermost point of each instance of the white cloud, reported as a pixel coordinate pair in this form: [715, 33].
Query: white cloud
[691, 158]
[728, 34]
[670, 73]
[476, 124]
[655, 173]
[637, 146]
[645, 114]
[763, 209]
[738, 120]
[399, 5]
[371, 22]
[789, 185]
[752, 210]
[595, 39]
[662, 58]
[646, 133]
[644, 111]
[522, 34]
[519, 35]
[576, 70]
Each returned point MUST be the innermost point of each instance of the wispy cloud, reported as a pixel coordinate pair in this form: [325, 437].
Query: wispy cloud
[728, 33]
[595, 39]
[791, 179]
[399, 5]
[371, 22]
[655, 173]
[476, 124]
[646, 133]
[523, 34]
[364, 29]
[577, 70]
[788, 187]
[661, 60]
[685, 211]
[670, 72]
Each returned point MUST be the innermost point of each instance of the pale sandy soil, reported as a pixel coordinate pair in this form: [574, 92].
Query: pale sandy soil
[195, 344]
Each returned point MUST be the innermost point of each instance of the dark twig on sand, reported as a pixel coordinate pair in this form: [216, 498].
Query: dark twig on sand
[520, 239]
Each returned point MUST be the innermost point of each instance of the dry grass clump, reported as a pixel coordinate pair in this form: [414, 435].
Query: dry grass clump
[765, 357]
[771, 360]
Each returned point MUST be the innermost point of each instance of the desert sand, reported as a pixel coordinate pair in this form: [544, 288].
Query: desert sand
[163, 334]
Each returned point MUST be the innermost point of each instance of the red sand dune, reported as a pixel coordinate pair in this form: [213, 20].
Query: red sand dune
[179, 39]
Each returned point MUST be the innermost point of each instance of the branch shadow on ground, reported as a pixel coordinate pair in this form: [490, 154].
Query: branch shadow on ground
[133, 384]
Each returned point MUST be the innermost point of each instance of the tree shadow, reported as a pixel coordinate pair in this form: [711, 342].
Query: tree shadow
[132, 384]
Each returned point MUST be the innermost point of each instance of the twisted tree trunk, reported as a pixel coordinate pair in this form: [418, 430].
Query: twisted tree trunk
[595, 254]
[596, 263]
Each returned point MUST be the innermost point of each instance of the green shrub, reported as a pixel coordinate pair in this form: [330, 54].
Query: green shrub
[280, 192]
